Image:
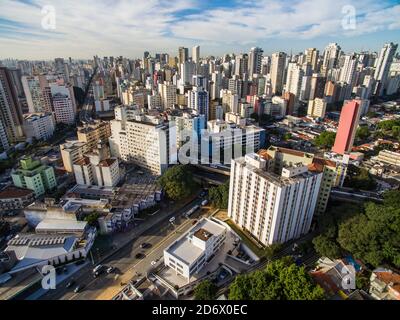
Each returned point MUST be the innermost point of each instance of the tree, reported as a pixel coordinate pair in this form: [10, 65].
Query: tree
[326, 247]
[359, 178]
[205, 290]
[280, 280]
[178, 182]
[391, 198]
[287, 136]
[219, 196]
[325, 140]
[91, 219]
[363, 133]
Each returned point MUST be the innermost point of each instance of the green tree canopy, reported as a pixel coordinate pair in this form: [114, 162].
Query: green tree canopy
[178, 182]
[219, 196]
[363, 133]
[326, 247]
[325, 140]
[359, 178]
[280, 280]
[205, 290]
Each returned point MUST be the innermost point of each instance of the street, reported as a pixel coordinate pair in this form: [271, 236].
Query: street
[126, 265]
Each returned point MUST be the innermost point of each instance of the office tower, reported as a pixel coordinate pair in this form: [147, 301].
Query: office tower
[11, 119]
[196, 54]
[317, 108]
[34, 94]
[317, 87]
[311, 56]
[255, 57]
[168, 94]
[235, 85]
[348, 122]
[383, 63]
[241, 64]
[183, 55]
[348, 71]
[198, 100]
[273, 206]
[305, 88]
[331, 56]
[216, 85]
[59, 65]
[277, 71]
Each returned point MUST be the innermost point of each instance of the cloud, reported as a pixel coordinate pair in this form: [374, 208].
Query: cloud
[128, 27]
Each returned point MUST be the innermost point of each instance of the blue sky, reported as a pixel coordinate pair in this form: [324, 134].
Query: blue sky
[129, 27]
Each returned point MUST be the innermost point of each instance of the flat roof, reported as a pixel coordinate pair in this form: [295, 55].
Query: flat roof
[61, 224]
[185, 250]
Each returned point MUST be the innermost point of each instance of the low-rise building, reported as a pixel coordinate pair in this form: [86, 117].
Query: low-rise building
[390, 157]
[12, 198]
[189, 253]
[385, 285]
[40, 126]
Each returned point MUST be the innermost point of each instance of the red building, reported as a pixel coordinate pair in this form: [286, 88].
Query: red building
[348, 123]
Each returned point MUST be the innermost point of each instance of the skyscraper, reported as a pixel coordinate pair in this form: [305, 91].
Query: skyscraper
[312, 55]
[255, 57]
[183, 55]
[198, 100]
[383, 63]
[331, 55]
[241, 64]
[196, 54]
[10, 111]
[277, 71]
[348, 123]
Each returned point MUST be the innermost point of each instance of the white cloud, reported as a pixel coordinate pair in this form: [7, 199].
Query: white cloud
[124, 27]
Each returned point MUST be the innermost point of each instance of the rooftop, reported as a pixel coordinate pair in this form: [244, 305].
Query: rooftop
[14, 192]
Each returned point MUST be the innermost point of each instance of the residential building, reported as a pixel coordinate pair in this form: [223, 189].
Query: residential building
[40, 126]
[198, 100]
[349, 118]
[168, 94]
[385, 284]
[317, 108]
[194, 249]
[274, 207]
[389, 157]
[255, 57]
[92, 133]
[33, 175]
[277, 71]
[383, 63]
[71, 151]
[12, 198]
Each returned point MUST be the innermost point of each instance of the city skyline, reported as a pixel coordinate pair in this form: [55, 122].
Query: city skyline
[217, 26]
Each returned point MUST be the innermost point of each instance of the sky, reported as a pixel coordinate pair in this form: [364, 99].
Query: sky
[30, 29]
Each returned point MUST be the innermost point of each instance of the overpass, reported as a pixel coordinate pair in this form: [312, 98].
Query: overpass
[357, 196]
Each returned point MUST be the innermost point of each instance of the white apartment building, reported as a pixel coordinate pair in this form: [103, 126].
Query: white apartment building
[273, 207]
[71, 151]
[189, 253]
[39, 125]
[317, 108]
[142, 140]
[168, 94]
[97, 168]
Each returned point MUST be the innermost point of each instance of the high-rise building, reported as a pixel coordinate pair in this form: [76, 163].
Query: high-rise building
[64, 103]
[294, 78]
[183, 55]
[278, 61]
[317, 86]
[317, 108]
[312, 55]
[348, 71]
[167, 91]
[40, 126]
[255, 57]
[92, 133]
[348, 122]
[273, 206]
[331, 55]
[198, 100]
[383, 63]
[196, 54]
[241, 64]
[11, 120]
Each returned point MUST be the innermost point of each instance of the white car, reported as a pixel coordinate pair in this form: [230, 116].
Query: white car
[172, 220]
[153, 263]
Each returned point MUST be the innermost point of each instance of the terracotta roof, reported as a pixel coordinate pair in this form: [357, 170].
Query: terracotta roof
[264, 154]
[14, 192]
[324, 162]
[390, 278]
[107, 162]
[290, 151]
[82, 161]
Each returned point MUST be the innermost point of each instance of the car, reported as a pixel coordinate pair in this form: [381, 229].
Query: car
[110, 269]
[140, 255]
[78, 288]
[204, 202]
[70, 284]
[145, 245]
[153, 263]
[172, 220]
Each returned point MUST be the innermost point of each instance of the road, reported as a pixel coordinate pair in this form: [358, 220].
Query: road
[127, 266]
